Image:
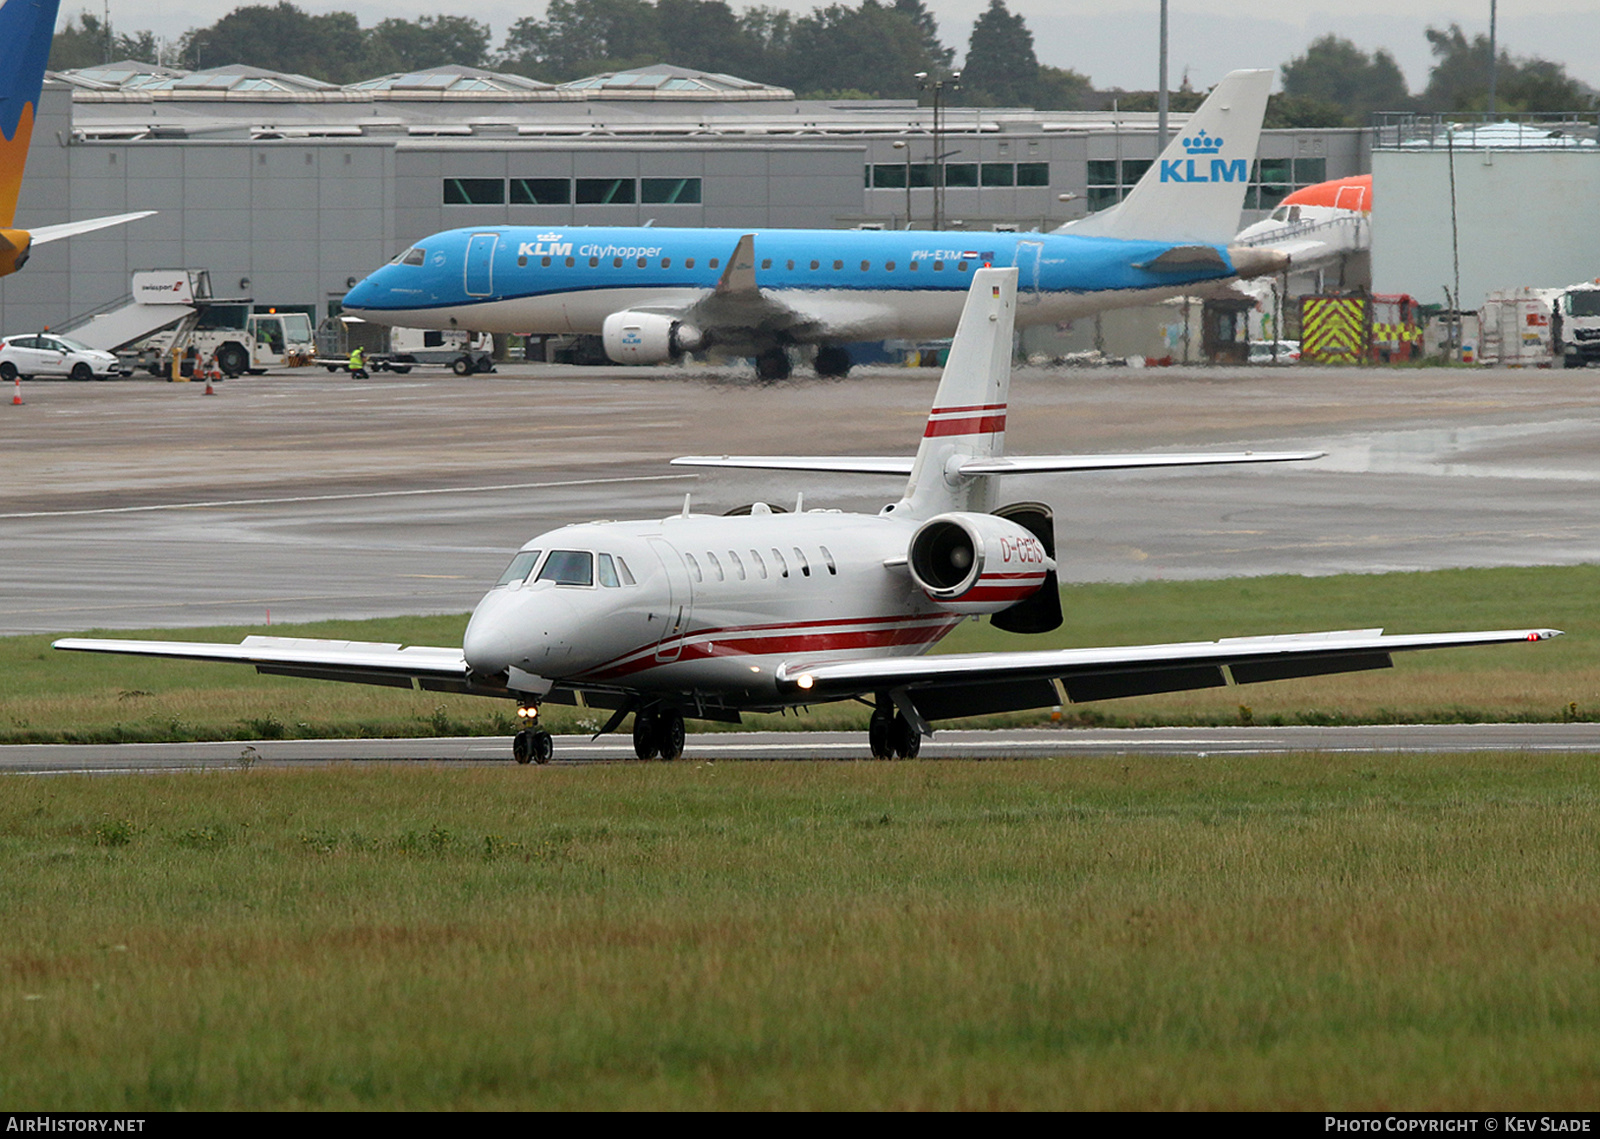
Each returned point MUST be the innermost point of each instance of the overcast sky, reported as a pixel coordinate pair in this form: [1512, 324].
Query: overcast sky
[1112, 41]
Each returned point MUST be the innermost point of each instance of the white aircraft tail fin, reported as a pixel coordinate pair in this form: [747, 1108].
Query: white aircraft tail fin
[968, 420]
[1195, 190]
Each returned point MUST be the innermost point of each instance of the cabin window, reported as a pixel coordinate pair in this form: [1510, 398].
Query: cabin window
[520, 567]
[642, 262]
[865, 265]
[568, 567]
[594, 262]
[522, 262]
[715, 565]
[666, 262]
[912, 266]
[694, 566]
[961, 266]
[889, 265]
[608, 572]
[571, 261]
[816, 264]
[790, 264]
[828, 557]
[837, 265]
[761, 566]
[777, 560]
[938, 266]
[616, 262]
[544, 261]
[805, 566]
[688, 262]
[738, 566]
[715, 262]
[766, 262]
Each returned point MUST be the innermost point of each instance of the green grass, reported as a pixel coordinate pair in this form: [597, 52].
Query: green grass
[1305, 932]
[68, 697]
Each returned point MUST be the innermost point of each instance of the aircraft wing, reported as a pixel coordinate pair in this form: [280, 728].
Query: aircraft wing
[47, 233]
[359, 662]
[969, 684]
[1011, 465]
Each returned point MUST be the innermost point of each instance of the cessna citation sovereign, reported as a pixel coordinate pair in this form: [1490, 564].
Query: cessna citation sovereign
[652, 295]
[26, 29]
[758, 610]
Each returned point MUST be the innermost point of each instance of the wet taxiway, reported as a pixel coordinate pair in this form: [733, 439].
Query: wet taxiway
[305, 495]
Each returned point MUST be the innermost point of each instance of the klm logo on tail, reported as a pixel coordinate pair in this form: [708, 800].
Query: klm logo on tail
[1193, 168]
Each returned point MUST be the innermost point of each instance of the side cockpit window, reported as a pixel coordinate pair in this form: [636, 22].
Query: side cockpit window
[568, 567]
[520, 567]
[413, 256]
[608, 572]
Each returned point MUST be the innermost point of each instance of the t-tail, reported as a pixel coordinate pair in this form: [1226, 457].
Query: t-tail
[968, 420]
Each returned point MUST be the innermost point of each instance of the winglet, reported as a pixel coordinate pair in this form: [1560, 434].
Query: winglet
[1195, 191]
[740, 275]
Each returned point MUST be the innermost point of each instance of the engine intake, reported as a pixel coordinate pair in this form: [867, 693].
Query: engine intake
[977, 563]
[648, 338]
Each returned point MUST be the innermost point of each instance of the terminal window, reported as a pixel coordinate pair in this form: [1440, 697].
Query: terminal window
[675, 191]
[606, 191]
[474, 191]
[541, 191]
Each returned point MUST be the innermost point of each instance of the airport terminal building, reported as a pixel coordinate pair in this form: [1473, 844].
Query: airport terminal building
[288, 190]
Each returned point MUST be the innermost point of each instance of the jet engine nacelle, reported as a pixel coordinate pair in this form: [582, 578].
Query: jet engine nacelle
[977, 563]
[648, 338]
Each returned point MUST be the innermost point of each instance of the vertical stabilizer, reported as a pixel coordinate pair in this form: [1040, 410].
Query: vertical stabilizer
[968, 420]
[1195, 190]
[26, 29]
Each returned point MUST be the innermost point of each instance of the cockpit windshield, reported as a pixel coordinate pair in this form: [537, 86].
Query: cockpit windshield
[412, 256]
[520, 567]
[569, 567]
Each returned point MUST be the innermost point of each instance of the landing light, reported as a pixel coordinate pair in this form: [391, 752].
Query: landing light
[804, 680]
[528, 713]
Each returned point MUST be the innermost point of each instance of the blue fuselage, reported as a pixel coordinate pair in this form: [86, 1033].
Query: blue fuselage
[836, 285]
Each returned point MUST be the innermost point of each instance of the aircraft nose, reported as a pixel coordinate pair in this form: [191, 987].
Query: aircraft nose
[1249, 261]
[489, 644]
[364, 294]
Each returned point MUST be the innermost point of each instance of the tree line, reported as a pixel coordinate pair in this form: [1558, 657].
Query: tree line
[837, 51]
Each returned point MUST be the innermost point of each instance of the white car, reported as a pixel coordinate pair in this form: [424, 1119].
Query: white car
[1261, 352]
[46, 354]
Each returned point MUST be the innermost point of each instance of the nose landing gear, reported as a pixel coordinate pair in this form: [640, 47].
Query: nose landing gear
[532, 744]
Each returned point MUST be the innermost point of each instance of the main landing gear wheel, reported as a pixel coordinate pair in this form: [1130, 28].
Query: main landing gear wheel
[832, 362]
[533, 745]
[657, 734]
[772, 365]
[891, 736]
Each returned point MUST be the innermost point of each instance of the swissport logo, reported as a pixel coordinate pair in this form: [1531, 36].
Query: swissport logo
[1200, 148]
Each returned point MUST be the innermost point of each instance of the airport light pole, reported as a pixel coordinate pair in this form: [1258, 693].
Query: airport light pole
[938, 86]
[906, 146]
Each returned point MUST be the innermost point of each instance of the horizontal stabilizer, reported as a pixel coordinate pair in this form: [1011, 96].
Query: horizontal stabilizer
[1185, 259]
[1009, 465]
[46, 233]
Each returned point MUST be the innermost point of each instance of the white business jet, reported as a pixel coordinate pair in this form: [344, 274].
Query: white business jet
[707, 616]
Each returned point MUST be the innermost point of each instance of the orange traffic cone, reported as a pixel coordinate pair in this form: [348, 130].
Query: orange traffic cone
[212, 374]
[16, 400]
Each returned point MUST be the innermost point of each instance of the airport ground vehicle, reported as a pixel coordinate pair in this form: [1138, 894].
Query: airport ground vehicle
[46, 354]
[1575, 325]
[1274, 352]
[268, 340]
[398, 350]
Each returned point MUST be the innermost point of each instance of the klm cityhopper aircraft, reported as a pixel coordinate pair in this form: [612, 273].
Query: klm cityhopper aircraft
[26, 29]
[654, 294]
